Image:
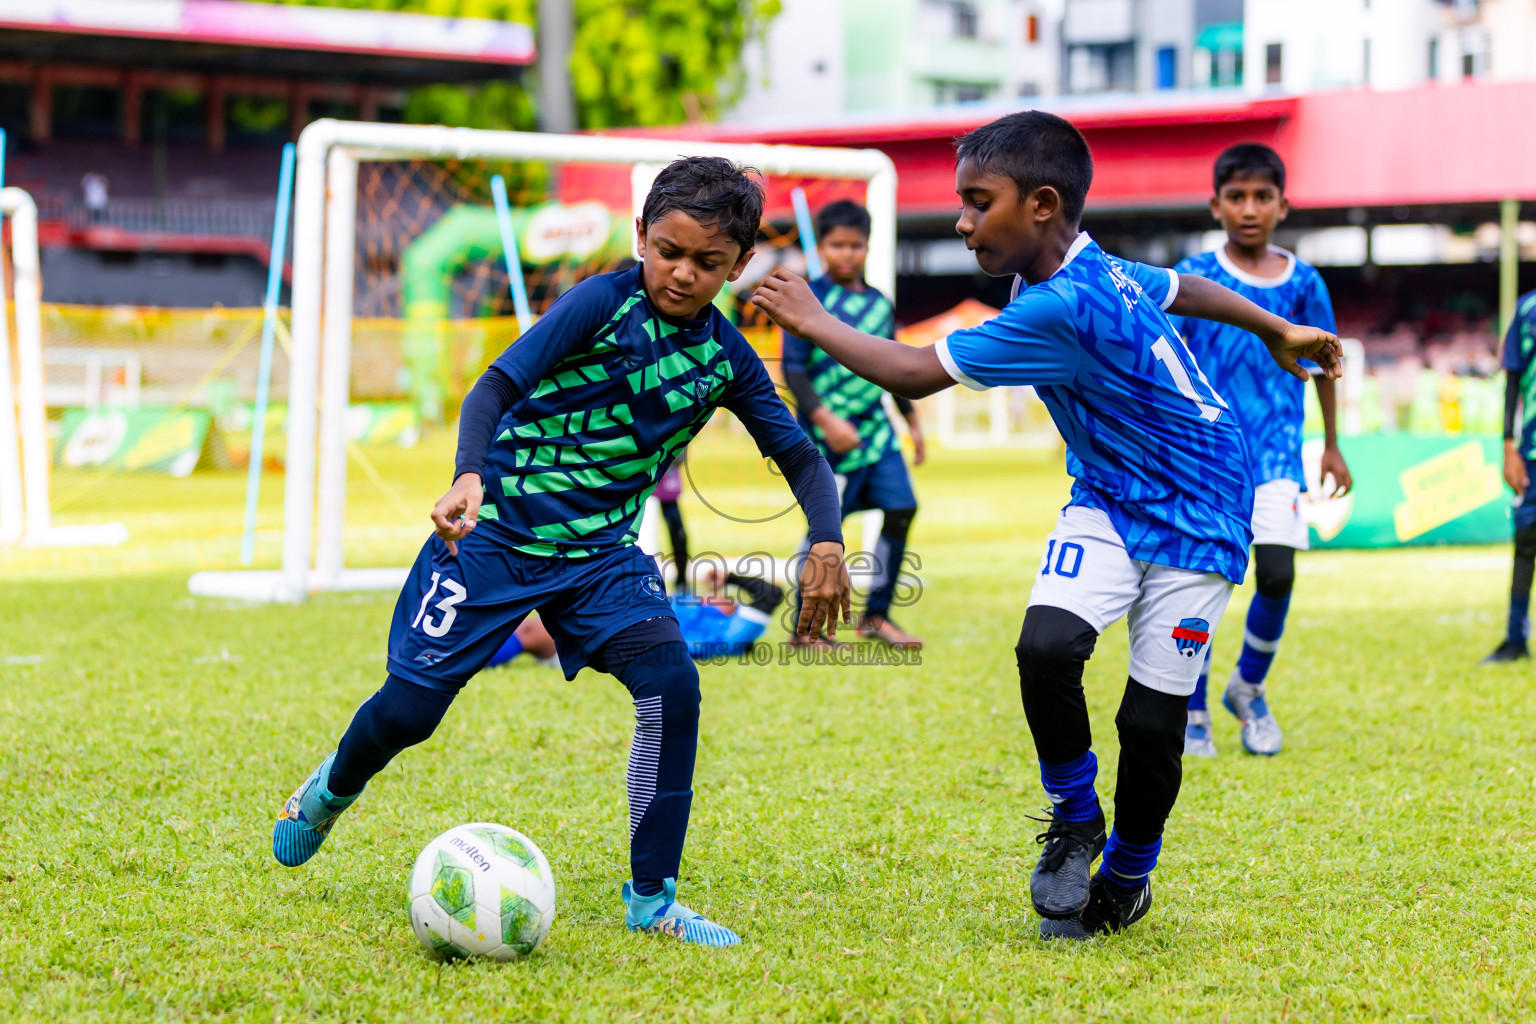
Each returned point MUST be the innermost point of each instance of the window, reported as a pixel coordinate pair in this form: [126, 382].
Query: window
[959, 92]
[1365, 65]
[1273, 54]
[1434, 59]
[965, 19]
[1032, 29]
[1167, 67]
[86, 112]
[173, 115]
[1101, 68]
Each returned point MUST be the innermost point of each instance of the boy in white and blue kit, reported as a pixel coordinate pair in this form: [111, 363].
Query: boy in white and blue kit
[1157, 527]
[1269, 406]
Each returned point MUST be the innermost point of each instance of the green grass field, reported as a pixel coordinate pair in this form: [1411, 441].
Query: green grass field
[864, 828]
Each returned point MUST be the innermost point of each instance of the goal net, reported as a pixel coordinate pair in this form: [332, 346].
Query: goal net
[401, 296]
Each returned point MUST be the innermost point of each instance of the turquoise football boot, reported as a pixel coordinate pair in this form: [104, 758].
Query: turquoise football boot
[663, 915]
[307, 817]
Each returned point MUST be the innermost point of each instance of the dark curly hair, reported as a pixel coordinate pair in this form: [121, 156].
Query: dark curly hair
[711, 190]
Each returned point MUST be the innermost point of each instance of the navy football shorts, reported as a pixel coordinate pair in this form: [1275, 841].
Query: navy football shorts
[454, 613]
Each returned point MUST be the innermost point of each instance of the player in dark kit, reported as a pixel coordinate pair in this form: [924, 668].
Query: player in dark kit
[846, 414]
[1519, 465]
[563, 438]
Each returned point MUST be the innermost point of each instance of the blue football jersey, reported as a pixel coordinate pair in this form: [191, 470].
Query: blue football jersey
[612, 390]
[1519, 349]
[1269, 403]
[1150, 442]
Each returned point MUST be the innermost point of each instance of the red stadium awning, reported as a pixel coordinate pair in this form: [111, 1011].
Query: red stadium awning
[1432, 145]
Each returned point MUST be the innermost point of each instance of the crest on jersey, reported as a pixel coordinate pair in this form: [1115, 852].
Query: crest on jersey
[1191, 636]
[651, 586]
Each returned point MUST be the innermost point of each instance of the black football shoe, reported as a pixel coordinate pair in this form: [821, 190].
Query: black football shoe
[1058, 887]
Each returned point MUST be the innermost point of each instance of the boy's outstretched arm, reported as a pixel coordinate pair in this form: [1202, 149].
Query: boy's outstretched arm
[900, 369]
[1287, 342]
[1332, 464]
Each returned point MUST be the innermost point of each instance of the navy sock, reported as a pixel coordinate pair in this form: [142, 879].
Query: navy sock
[1519, 618]
[1261, 639]
[1128, 864]
[1070, 787]
[1197, 699]
[401, 714]
[890, 551]
[664, 684]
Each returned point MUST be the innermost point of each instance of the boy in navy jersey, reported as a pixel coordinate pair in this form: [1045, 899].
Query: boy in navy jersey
[1268, 404]
[846, 415]
[560, 443]
[1519, 362]
[1157, 526]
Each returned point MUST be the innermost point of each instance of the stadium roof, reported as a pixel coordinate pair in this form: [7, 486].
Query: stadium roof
[1437, 145]
[63, 30]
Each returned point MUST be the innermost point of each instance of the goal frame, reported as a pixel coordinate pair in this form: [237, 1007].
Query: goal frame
[26, 513]
[325, 208]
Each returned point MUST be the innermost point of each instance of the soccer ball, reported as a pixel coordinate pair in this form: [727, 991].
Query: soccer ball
[482, 890]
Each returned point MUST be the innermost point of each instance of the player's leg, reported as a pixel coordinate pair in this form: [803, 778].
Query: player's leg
[1514, 646]
[452, 615]
[614, 615]
[1085, 581]
[1198, 741]
[677, 536]
[1170, 624]
[1279, 531]
[1274, 576]
[889, 489]
[531, 638]
[743, 628]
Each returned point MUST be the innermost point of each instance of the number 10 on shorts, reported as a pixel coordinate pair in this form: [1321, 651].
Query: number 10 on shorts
[1068, 560]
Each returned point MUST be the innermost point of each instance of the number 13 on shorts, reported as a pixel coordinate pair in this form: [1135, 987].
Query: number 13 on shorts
[454, 592]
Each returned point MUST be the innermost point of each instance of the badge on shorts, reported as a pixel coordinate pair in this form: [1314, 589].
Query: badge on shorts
[1191, 636]
[651, 586]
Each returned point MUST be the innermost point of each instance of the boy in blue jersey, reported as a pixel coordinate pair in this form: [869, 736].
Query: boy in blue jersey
[846, 415]
[1157, 527]
[1269, 406]
[1519, 465]
[560, 443]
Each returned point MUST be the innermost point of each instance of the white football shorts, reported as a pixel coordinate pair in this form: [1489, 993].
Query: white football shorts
[1277, 515]
[1172, 613]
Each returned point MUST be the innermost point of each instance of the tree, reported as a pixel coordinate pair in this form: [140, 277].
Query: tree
[635, 62]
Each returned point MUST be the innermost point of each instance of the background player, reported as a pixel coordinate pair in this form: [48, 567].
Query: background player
[712, 625]
[846, 415]
[1519, 450]
[668, 489]
[573, 425]
[1269, 405]
[1157, 526]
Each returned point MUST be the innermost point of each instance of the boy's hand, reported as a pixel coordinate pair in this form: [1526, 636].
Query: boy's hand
[824, 590]
[1514, 469]
[458, 511]
[788, 301]
[1293, 342]
[841, 436]
[919, 446]
[1333, 465]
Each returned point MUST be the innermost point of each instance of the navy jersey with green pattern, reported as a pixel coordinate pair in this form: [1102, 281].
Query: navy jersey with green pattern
[611, 391]
[1520, 359]
[847, 395]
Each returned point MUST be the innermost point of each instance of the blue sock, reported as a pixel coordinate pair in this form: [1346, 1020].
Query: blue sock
[1070, 787]
[1197, 699]
[509, 650]
[1128, 864]
[1519, 617]
[1266, 621]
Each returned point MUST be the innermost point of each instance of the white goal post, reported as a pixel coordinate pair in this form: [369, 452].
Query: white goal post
[325, 216]
[26, 515]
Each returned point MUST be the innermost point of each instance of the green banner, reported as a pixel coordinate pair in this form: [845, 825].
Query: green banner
[1413, 489]
[159, 440]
